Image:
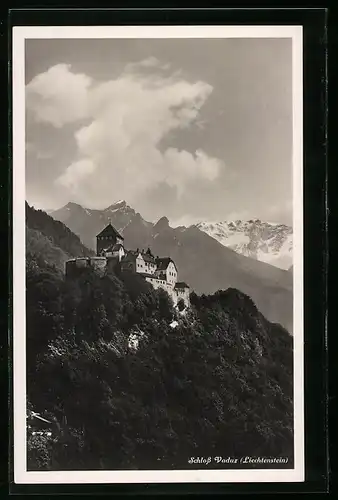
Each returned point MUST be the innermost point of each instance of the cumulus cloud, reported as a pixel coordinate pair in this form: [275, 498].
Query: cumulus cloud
[58, 96]
[76, 171]
[119, 148]
[149, 62]
[182, 166]
[280, 209]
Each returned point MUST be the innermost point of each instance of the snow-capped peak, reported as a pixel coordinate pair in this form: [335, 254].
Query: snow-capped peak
[268, 242]
[121, 203]
[119, 207]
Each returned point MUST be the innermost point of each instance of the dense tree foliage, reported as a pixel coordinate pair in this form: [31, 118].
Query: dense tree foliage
[126, 387]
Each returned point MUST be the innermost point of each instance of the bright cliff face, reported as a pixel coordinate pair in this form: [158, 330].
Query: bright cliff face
[160, 272]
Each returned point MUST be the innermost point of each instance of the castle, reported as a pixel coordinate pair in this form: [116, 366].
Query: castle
[160, 272]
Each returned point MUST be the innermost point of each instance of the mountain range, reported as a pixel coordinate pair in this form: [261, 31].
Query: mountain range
[202, 260]
[264, 241]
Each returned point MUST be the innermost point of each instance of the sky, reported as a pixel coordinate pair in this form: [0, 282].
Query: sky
[192, 129]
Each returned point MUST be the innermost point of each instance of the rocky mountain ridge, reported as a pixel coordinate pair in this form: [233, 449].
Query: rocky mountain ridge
[203, 262]
[265, 241]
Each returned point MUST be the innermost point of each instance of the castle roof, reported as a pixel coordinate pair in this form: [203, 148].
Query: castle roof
[148, 275]
[110, 231]
[148, 258]
[130, 257]
[181, 284]
[163, 262]
[114, 248]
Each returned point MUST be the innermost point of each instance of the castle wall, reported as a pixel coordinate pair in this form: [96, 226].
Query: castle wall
[157, 283]
[70, 267]
[117, 253]
[75, 266]
[82, 262]
[175, 294]
[98, 264]
[113, 264]
[183, 293]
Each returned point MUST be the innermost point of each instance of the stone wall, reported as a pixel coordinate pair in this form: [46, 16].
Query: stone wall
[175, 294]
[98, 264]
[183, 293]
[75, 266]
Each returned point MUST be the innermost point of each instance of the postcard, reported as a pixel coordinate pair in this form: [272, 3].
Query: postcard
[158, 254]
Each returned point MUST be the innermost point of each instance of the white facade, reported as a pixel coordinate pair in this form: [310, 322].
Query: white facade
[150, 267]
[171, 274]
[140, 264]
[120, 253]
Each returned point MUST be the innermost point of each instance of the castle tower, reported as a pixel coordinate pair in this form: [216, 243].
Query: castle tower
[108, 237]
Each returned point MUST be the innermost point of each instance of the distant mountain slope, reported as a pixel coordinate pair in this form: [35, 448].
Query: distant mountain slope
[203, 262]
[59, 234]
[42, 253]
[87, 223]
[264, 241]
[49, 243]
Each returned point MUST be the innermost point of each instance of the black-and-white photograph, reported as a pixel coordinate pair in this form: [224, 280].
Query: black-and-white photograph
[161, 176]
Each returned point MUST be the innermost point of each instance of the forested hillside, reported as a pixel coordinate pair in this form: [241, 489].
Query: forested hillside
[126, 382]
[51, 240]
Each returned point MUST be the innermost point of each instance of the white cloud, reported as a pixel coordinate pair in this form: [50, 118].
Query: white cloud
[280, 209]
[77, 171]
[239, 215]
[58, 96]
[182, 166]
[119, 153]
[149, 62]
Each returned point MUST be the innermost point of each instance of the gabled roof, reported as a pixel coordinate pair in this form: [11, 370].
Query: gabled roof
[109, 231]
[161, 276]
[114, 248]
[130, 257]
[148, 258]
[181, 284]
[163, 262]
[148, 275]
[117, 247]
